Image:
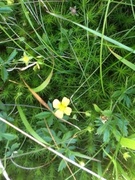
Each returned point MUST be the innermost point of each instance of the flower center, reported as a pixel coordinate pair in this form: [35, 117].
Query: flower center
[62, 107]
[26, 58]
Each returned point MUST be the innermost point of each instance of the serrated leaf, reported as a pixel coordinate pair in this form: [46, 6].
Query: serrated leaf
[122, 124]
[127, 101]
[116, 134]
[102, 128]
[67, 136]
[106, 136]
[107, 113]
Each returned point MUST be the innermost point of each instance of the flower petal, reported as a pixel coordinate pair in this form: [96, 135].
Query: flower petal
[59, 114]
[65, 101]
[56, 103]
[68, 111]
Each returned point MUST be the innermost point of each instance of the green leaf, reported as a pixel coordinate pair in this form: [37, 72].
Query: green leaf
[12, 55]
[124, 61]
[15, 146]
[1, 60]
[128, 143]
[116, 134]
[107, 113]
[28, 126]
[5, 10]
[44, 84]
[39, 48]
[67, 136]
[2, 106]
[43, 115]
[106, 136]
[122, 171]
[117, 94]
[1, 138]
[9, 136]
[4, 74]
[77, 154]
[102, 128]
[62, 165]
[122, 124]
[97, 109]
[3, 126]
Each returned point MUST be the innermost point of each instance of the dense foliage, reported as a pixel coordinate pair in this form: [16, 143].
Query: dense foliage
[82, 50]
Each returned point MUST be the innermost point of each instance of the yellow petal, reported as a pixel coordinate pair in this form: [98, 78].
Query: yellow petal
[65, 101]
[68, 111]
[126, 155]
[56, 103]
[59, 114]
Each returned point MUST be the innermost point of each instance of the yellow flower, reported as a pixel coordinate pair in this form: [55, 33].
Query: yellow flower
[10, 2]
[62, 107]
[26, 58]
[126, 155]
[82, 163]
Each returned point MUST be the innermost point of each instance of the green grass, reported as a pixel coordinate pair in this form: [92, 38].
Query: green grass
[86, 56]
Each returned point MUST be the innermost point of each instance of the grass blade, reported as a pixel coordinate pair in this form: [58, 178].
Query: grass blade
[28, 126]
[44, 84]
[120, 45]
[124, 61]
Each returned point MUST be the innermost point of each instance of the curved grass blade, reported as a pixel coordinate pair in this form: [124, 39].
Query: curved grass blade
[44, 84]
[28, 126]
[124, 61]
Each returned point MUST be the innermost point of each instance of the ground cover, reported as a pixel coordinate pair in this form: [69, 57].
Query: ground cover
[67, 89]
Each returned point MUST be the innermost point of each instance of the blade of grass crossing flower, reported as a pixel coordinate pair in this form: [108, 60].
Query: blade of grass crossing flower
[41, 101]
[44, 84]
[28, 126]
[124, 61]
